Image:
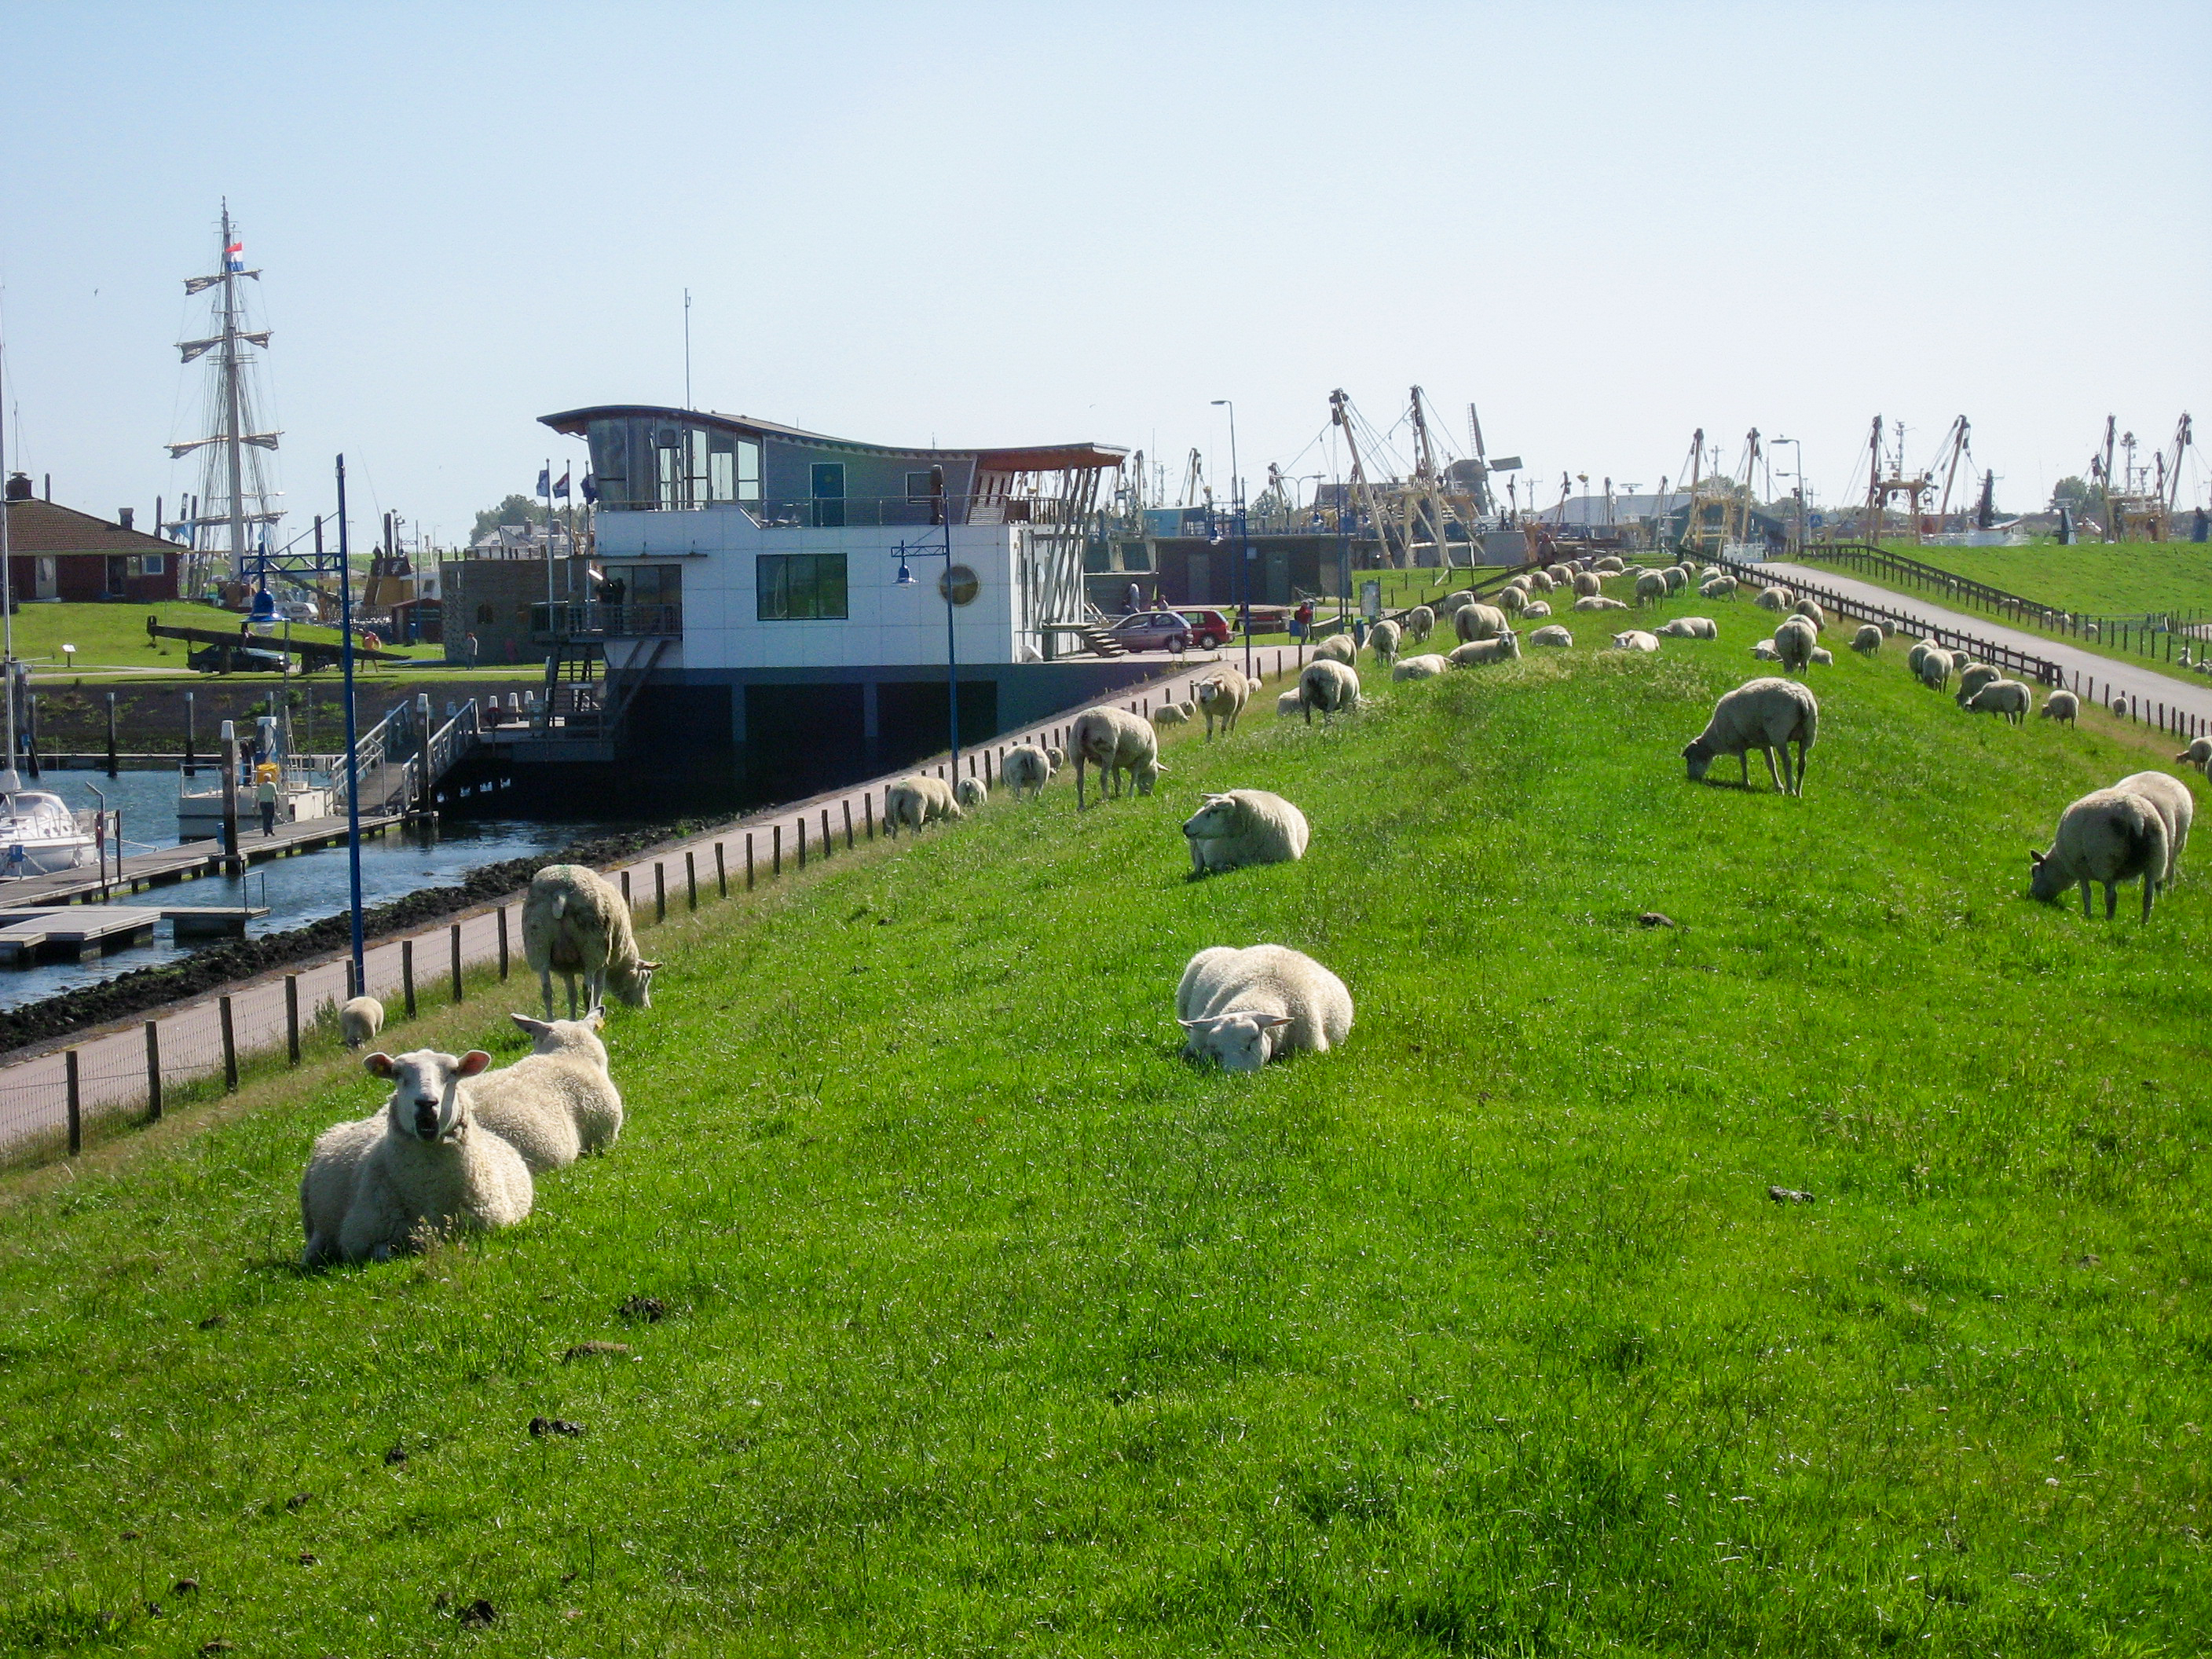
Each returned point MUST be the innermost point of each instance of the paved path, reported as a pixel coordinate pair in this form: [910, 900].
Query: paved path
[2091, 675]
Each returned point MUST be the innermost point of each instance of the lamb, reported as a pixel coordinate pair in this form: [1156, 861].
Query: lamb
[2176, 807]
[429, 1168]
[1812, 613]
[1408, 668]
[1476, 652]
[1222, 696]
[1867, 639]
[1974, 676]
[1765, 652]
[1586, 584]
[1290, 702]
[2109, 835]
[1765, 715]
[1935, 670]
[1717, 587]
[1337, 647]
[1823, 658]
[1115, 743]
[1774, 599]
[1027, 767]
[2010, 698]
[1689, 627]
[1534, 609]
[1383, 639]
[556, 1103]
[1420, 621]
[2065, 705]
[971, 792]
[1793, 642]
[1245, 826]
[576, 922]
[2198, 754]
[1331, 687]
[1635, 640]
[1174, 713]
[1599, 602]
[1554, 634]
[1479, 621]
[1244, 1008]
[913, 803]
[360, 1019]
[1650, 589]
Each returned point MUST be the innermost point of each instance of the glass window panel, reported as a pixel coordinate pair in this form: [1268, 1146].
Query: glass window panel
[749, 469]
[801, 587]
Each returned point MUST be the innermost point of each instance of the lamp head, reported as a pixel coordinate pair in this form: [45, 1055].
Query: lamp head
[905, 576]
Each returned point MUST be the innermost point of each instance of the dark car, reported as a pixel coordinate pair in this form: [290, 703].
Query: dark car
[236, 659]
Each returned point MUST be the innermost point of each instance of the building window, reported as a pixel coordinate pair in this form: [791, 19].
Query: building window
[827, 482]
[801, 587]
[152, 564]
[484, 617]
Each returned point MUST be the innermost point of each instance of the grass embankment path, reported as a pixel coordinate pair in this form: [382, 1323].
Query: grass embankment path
[990, 1325]
[113, 636]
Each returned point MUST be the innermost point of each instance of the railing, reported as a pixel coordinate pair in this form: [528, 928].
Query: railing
[841, 511]
[577, 619]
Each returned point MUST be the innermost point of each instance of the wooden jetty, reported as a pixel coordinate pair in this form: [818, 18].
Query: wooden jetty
[139, 871]
[73, 931]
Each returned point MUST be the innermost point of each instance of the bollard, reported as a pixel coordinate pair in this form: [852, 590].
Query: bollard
[847, 805]
[152, 1070]
[407, 973]
[659, 893]
[721, 875]
[455, 937]
[76, 1104]
[229, 1048]
[748, 860]
[691, 877]
[503, 941]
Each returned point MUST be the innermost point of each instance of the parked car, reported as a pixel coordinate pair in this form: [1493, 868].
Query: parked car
[1153, 630]
[1210, 628]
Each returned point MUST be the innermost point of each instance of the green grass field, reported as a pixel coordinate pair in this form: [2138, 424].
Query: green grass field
[994, 1327]
[114, 635]
[2093, 578]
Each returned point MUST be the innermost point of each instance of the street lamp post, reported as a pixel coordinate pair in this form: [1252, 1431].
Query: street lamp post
[1244, 537]
[1800, 449]
[941, 519]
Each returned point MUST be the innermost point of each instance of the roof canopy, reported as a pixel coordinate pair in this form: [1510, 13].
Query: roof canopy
[1042, 458]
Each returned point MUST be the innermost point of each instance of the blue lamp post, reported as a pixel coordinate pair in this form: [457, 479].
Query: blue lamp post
[941, 519]
[1243, 537]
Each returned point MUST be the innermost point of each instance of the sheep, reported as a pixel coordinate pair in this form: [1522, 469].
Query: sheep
[1793, 642]
[1331, 687]
[1383, 640]
[1408, 668]
[1174, 713]
[556, 1103]
[1974, 676]
[1241, 827]
[1028, 766]
[1867, 639]
[971, 792]
[1635, 640]
[1765, 715]
[1554, 634]
[1650, 589]
[1823, 658]
[1222, 696]
[1420, 621]
[2065, 705]
[1337, 647]
[1918, 656]
[429, 1168]
[1675, 579]
[1115, 743]
[1252, 687]
[2108, 836]
[913, 803]
[2000, 696]
[1244, 1008]
[1960, 661]
[2176, 807]
[1812, 613]
[1562, 575]
[1774, 599]
[1540, 581]
[2198, 754]
[360, 1019]
[1535, 609]
[1479, 621]
[1586, 584]
[1765, 652]
[1610, 565]
[1512, 600]
[1689, 627]
[1451, 602]
[1290, 702]
[575, 921]
[1935, 670]
[1599, 602]
[1476, 652]
[1717, 587]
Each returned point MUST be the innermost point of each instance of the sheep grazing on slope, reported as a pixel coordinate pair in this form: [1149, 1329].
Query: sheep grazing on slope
[1331, 687]
[360, 1019]
[915, 802]
[2171, 798]
[1765, 715]
[1562, 575]
[1383, 640]
[1245, 826]
[1450, 603]
[1512, 600]
[2063, 706]
[1689, 627]
[1974, 676]
[1650, 589]
[1935, 670]
[1774, 599]
[1811, 611]
[427, 1168]
[556, 1103]
[1027, 767]
[1867, 639]
[1916, 656]
[1717, 587]
[970, 793]
[1292, 702]
[576, 924]
[1122, 747]
[1553, 635]
[1410, 668]
[2198, 754]
[1244, 1008]
[1610, 565]
[1479, 621]
[1506, 647]
[1534, 609]
[1420, 621]
[1600, 602]
[1222, 697]
[1793, 642]
[1764, 651]
[2108, 836]
[1337, 647]
[1176, 713]
[1823, 658]
[1540, 581]
[1586, 584]
[2010, 698]
[1636, 639]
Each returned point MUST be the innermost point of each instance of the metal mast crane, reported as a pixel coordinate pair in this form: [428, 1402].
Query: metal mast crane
[1427, 489]
[1362, 493]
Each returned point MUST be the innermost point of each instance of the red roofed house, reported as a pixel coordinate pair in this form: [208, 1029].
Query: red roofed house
[59, 553]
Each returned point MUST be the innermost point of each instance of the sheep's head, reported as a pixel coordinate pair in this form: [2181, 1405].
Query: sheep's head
[1209, 691]
[427, 1103]
[1055, 757]
[634, 987]
[2044, 880]
[1700, 754]
[1240, 1041]
[1222, 815]
[565, 1036]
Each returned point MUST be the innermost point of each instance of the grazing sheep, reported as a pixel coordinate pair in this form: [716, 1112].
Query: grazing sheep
[1823, 658]
[428, 1169]
[1717, 587]
[1383, 640]
[1223, 697]
[2109, 835]
[1245, 826]
[1774, 599]
[1534, 609]
[1244, 1008]
[1689, 627]
[1610, 565]
[1812, 613]
[1292, 703]
[1176, 713]
[1935, 670]
[1794, 642]
[1331, 687]
[1974, 676]
[1599, 602]
[577, 923]
[360, 1019]
[1540, 581]
[2065, 705]
[1337, 647]
[1675, 579]
[1115, 743]
[1915, 656]
[1586, 584]
[556, 1103]
[1028, 766]
[1562, 575]
[1479, 621]
[915, 802]
[1635, 640]
[1650, 589]
[1420, 621]
[971, 792]
[2010, 698]
[1512, 600]
[2198, 754]
[1867, 639]
[1554, 634]
[2174, 804]
[1763, 714]
[1505, 648]
[1408, 668]
[1960, 661]
[1451, 602]
[1764, 651]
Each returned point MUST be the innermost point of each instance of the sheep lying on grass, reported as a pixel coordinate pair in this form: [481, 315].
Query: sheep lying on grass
[1689, 627]
[1600, 602]
[1337, 647]
[575, 923]
[915, 802]
[1536, 608]
[1176, 713]
[1420, 621]
[1222, 697]
[1765, 715]
[430, 1168]
[1636, 639]
[2198, 754]
[1764, 651]
[1245, 826]
[556, 1103]
[1383, 640]
[1027, 766]
[2108, 836]
[1122, 747]
[1331, 687]
[1822, 657]
[2010, 698]
[1476, 652]
[1292, 702]
[971, 792]
[1867, 639]
[1553, 635]
[360, 1019]
[1408, 668]
[1243, 1008]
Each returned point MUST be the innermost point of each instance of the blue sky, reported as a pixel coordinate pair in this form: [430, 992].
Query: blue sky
[1604, 225]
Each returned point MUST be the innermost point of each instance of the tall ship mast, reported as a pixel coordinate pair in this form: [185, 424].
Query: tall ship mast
[232, 514]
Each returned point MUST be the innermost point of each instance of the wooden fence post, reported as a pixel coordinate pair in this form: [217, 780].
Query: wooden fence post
[825, 832]
[848, 804]
[229, 1047]
[801, 826]
[152, 1070]
[775, 846]
[407, 973]
[503, 941]
[868, 812]
[292, 1017]
[691, 877]
[659, 893]
[627, 905]
[76, 1104]
[748, 860]
[721, 873]
[455, 936]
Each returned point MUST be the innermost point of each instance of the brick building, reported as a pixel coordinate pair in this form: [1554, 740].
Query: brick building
[59, 553]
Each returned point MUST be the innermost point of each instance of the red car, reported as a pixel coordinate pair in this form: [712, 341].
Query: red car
[1210, 628]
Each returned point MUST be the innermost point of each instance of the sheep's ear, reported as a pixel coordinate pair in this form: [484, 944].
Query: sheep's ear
[2033, 856]
[649, 967]
[597, 1019]
[471, 1062]
[1195, 1024]
[1269, 1022]
[376, 1065]
[531, 1027]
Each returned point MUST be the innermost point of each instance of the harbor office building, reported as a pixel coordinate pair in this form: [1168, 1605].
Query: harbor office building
[788, 593]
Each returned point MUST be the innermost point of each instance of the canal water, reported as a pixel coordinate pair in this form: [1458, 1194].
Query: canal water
[298, 890]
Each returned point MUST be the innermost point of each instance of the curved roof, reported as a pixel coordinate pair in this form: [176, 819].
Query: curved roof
[1039, 457]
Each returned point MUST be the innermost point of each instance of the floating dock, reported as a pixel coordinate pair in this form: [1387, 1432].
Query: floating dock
[139, 871]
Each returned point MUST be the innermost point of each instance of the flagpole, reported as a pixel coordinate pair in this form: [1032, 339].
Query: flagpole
[545, 477]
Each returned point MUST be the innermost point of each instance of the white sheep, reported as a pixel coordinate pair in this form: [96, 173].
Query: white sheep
[1451, 602]
[1811, 611]
[1512, 599]
[1291, 703]
[971, 792]
[1562, 575]
[1867, 639]
[2010, 698]
[1117, 743]
[428, 1169]
[1174, 713]
[1331, 687]
[1650, 589]
[1383, 640]
[359, 1019]
[2198, 754]
[1600, 602]
[2063, 706]
[1506, 647]
[1406, 668]
[1960, 661]
[1689, 627]
[1676, 577]
[1774, 599]
[1935, 670]
[1534, 609]
[2175, 805]
[575, 923]
[1028, 766]
[1540, 581]
[1586, 584]
[1636, 639]
[1552, 634]
[1222, 697]
[1337, 647]
[1765, 652]
[1765, 715]
[915, 802]
[2109, 836]
[1717, 587]
[1244, 1008]
[1822, 657]
[556, 1103]
[1974, 676]
[1610, 565]
[1793, 642]
[1420, 621]
[1479, 621]
[1241, 827]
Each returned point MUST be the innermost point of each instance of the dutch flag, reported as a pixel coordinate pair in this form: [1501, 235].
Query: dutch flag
[233, 256]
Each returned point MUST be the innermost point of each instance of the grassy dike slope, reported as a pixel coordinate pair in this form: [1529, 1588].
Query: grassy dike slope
[994, 1327]
[2094, 578]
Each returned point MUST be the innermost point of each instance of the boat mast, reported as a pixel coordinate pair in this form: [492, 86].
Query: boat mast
[232, 436]
[7, 779]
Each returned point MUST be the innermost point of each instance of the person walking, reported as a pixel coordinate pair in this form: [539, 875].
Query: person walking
[1136, 598]
[264, 796]
[1302, 623]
